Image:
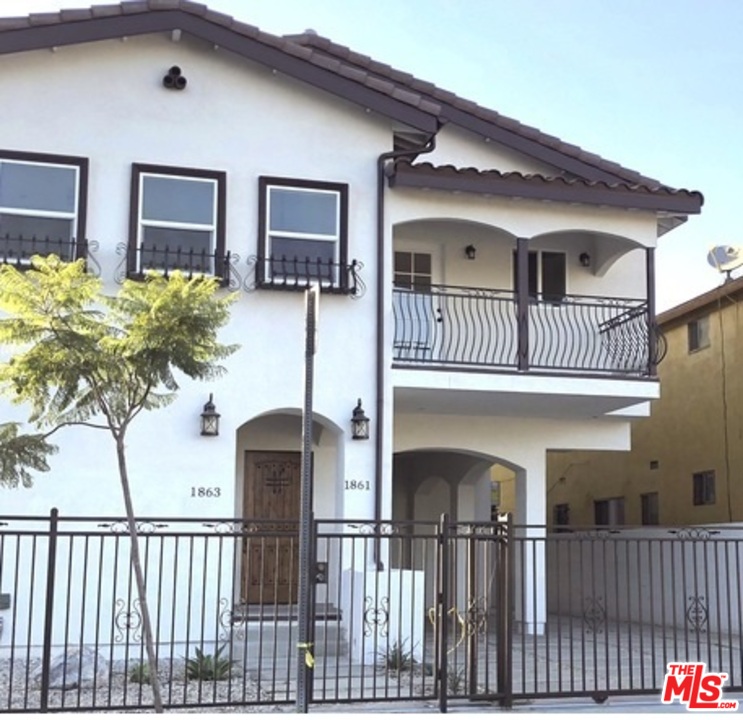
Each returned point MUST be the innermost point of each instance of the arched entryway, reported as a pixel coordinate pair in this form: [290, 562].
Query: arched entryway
[268, 493]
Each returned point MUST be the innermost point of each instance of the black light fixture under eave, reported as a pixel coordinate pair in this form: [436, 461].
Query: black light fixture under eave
[210, 419]
[585, 259]
[359, 423]
[470, 251]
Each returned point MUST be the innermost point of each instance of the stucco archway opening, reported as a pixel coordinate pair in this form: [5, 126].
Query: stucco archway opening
[268, 493]
[465, 485]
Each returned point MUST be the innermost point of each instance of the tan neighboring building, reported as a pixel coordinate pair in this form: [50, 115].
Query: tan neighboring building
[686, 462]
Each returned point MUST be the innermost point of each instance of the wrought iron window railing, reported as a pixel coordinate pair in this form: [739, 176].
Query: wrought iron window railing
[480, 327]
[295, 273]
[147, 257]
[17, 250]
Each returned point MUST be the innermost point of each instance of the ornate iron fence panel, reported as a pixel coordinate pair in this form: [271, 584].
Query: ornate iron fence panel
[439, 613]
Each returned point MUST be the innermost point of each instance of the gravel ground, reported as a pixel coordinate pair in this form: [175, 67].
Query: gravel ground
[19, 690]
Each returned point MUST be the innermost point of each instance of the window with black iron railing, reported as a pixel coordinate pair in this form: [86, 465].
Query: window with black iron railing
[295, 273]
[18, 250]
[164, 260]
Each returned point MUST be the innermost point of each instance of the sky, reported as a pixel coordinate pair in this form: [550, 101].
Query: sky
[654, 86]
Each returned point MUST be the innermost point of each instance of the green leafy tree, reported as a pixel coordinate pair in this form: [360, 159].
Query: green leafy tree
[84, 358]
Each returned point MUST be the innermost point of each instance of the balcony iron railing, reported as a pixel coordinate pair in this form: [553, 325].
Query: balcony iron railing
[294, 273]
[17, 250]
[479, 327]
[193, 263]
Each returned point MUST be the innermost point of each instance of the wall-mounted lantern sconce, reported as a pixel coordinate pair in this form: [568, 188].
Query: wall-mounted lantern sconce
[210, 419]
[174, 80]
[585, 259]
[470, 251]
[359, 423]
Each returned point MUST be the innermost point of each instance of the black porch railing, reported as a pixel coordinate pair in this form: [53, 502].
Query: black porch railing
[296, 273]
[193, 263]
[18, 251]
[483, 328]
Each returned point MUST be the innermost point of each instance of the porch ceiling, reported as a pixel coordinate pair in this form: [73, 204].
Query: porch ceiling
[565, 398]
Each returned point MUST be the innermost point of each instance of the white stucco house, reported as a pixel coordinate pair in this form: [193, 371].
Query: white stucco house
[488, 290]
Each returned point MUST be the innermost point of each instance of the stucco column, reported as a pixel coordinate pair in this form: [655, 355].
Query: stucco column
[356, 503]
[529, 553]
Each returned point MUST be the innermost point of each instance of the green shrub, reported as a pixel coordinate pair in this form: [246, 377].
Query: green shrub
[140, 674]
[396, 658]
[208, 667]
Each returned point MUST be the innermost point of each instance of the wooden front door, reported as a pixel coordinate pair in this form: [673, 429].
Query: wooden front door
[270, 551]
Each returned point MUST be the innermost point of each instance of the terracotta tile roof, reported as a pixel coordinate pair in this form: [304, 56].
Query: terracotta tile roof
[452, 103]
[318, 61]
[542, 187]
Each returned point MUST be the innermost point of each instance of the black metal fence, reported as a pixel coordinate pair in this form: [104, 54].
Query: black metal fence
[438, 612]
[479, 327]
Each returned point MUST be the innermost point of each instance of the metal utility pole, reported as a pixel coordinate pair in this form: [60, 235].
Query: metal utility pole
[305, 654]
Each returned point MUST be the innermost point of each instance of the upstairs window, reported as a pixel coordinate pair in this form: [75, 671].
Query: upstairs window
[698, 333]
[547, 275]
[704, 487]
[177, 220]
[42, 206]
[303, 233]
[413, 271]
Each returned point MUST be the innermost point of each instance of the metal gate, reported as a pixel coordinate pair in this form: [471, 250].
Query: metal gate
[433, 613]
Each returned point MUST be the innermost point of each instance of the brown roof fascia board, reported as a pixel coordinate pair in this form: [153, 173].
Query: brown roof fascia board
[729, 292]
[111, 27]
[559, 190]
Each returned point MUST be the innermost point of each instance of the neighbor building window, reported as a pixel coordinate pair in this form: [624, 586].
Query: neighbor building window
[561, 515]
[42, 206]
[303, 232]
[698, 331]
[649, 508]
[609, 511]
[704, 487]
[177, 220]
[547, 275]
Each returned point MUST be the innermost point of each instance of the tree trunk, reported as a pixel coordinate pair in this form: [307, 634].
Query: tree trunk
[139, 578]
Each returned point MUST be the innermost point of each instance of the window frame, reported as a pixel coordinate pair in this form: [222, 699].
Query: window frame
[560, 516]
[535, 273]
[418, 280]
[80, 164]
[265, 276]
[650, 508]
[696, 340]
[217, 252]
[612, 502]
[704, 488]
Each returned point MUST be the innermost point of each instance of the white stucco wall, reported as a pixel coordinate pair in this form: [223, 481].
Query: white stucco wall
[110, 107]
[462, 148]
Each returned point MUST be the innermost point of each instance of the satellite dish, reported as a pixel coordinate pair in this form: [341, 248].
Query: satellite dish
[725, 258]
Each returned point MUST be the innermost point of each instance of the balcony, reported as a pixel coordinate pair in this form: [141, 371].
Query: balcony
[448, 327]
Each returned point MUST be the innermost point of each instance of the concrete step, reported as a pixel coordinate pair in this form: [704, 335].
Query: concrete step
[262, 644]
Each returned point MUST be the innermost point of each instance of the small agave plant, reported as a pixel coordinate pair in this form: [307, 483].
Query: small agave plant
[209, 667]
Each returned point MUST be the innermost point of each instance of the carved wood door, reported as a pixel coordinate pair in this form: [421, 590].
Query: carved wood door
[270, 553]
